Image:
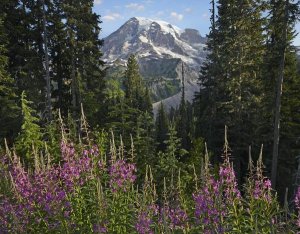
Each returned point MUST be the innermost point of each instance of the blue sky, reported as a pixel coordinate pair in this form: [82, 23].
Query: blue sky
[184, 14]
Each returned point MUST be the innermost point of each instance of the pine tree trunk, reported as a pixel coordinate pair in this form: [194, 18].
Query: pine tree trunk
[47, 71]
[73, 87]
[278, 102]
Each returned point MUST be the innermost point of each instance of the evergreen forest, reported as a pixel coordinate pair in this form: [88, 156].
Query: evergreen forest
[82, 154]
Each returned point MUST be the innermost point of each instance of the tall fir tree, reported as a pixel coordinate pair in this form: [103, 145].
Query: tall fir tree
[57, 40]
[182, 121]
[59, 53]
[23, 27]
[134, 91]
[205, 100]
[231, 77]
[131, 116]
[289, 124]
[9, 110]
[162, 126]
[29, 141]
[86, 71]
[168, 163]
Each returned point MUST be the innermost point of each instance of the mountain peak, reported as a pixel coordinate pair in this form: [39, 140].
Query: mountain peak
[147, 23]
[162, 50]
[155, 39]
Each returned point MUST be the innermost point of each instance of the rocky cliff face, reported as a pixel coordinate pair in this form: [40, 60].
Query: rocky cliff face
[161, 49]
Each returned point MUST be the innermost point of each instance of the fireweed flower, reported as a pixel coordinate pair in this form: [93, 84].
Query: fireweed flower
[209, 207]
[175, 217]
[41, 196]
[145, 219]
[37, 196]
[97, 228]
[143, 224]
[297, 204]
[121, 175]
[67, 150]
[262, 189]
[76, 171]
[178, 218]
[92, 152]
[228, 182]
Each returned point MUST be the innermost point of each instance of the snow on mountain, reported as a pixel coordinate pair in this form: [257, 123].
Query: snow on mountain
[161, 49]
[154, 39]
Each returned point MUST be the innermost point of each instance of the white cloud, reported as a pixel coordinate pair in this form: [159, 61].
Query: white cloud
[112, 16]
[188, 10]
[135, 6]
[97, 2]
[176, 16]
[160, 13]
[148, 1]
[205, 15]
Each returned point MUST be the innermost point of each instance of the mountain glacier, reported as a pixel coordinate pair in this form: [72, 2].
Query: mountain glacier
[162, 50]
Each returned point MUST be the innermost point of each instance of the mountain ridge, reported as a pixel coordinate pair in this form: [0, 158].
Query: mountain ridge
[161, 49]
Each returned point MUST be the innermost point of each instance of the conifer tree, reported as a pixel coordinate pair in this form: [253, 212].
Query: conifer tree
[59, 54]
[122, 119]
[67, 32]
[231, 78]
[168, 160]
[144, 143]
[134, 91]
[123, 116]
[173, 145]
[47, 64]
[182, 122]
[30, 138]
[147, 102]
[131, 117]
[23, 26]
[282, 20]
[162, 126]
[86, 72]
[205, 99]
[9, 111]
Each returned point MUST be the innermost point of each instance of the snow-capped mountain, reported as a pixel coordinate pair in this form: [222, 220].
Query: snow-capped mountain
[154, 39]
[161, 49]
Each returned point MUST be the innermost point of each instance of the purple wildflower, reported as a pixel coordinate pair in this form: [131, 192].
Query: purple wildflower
[143, 224]
[229, 183]
[97, 228]
[121, 175]
[297, 204]
[209, 205]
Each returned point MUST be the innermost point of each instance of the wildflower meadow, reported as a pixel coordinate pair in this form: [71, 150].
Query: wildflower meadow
[91, 189]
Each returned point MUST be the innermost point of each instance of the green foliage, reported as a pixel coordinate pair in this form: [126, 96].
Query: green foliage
[162, 126]
[232, 75]
[168, 162]
[74, 49]
[289, 147]
[9, 111]
[122, 119]
[144, 144]
[133, 82]
[196, 158]
[29, 142]
[239, 78]
[98, 189]
[23, 27]
[131, 117]
[53, 137]
[182, 121]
